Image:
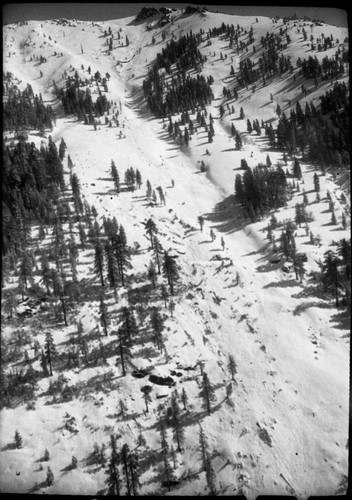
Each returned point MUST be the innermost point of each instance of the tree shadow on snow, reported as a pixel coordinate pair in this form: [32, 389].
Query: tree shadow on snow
[227, 216]
[341, 320]
[37, 487]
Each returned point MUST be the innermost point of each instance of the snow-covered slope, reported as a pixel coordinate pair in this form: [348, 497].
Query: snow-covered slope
[289, 343]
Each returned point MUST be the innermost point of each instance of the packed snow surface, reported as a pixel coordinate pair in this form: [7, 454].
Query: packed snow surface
[290, 345]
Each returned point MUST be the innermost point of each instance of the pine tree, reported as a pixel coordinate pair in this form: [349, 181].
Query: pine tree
[203, 444]
[207, 393]
[164, 294]
[81, 341]
[297, 172]
[344, 252]
[141, 441]
[170, 271]
[343, 221]
[149, 190]
[201, 222]
[152, 275]
[26, 268]
[330, 274]
[18, 440]
[157, 252]
[146, 389]
[134, 469]
[50, 350]
[232, 366]
[151, 230]
[316, 182]
[112, 267]
[238, 141]
[99, 261]
[125, 452]
[113, 480]
[138, 178]
[172, 307]
[168, 472]
[44, 364]
[210, 474]
[62, 149]
[122, 255]
[157, 325]
[184, 398]
[46, 457]
[103, 311]
[115, 176]
[179, 433]
[74, 462]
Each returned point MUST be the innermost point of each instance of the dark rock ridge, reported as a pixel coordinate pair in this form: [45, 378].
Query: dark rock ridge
[194, 10]
[147, 12]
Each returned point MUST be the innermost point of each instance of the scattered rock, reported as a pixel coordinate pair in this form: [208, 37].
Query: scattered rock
[155, 379]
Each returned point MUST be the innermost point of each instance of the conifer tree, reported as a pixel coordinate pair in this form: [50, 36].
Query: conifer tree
[316, 182]
[232, 366]
[125, 452]
[210, 474]
[249, 126]
[238, 142]
[44, 364]
[168, 472]
[138, 178]
[99, 261]
[26, 268]
[172, 307]
[103, 311]
[146, 389]
[330, 274]
[297, 172]
[112, 267]
[184, 398]
[203, 444]
[164, 294]
[152, 275]
[207, 393]
[50, 350]
[18, 440]
[149, 190]
[157, 252]
[81, 341]
[151, 230]
[141, 441]
[113, 480]
[122, 255]
[201, 222]
[179, 434]
[170, 271]
[134, 469]
[157, 325]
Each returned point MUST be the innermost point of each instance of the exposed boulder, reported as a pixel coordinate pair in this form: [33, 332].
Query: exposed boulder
[155, 379]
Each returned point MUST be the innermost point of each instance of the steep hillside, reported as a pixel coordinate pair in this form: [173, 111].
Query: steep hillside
[278, 423]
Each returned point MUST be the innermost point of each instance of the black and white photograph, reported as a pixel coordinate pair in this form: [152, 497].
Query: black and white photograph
[176, 250]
